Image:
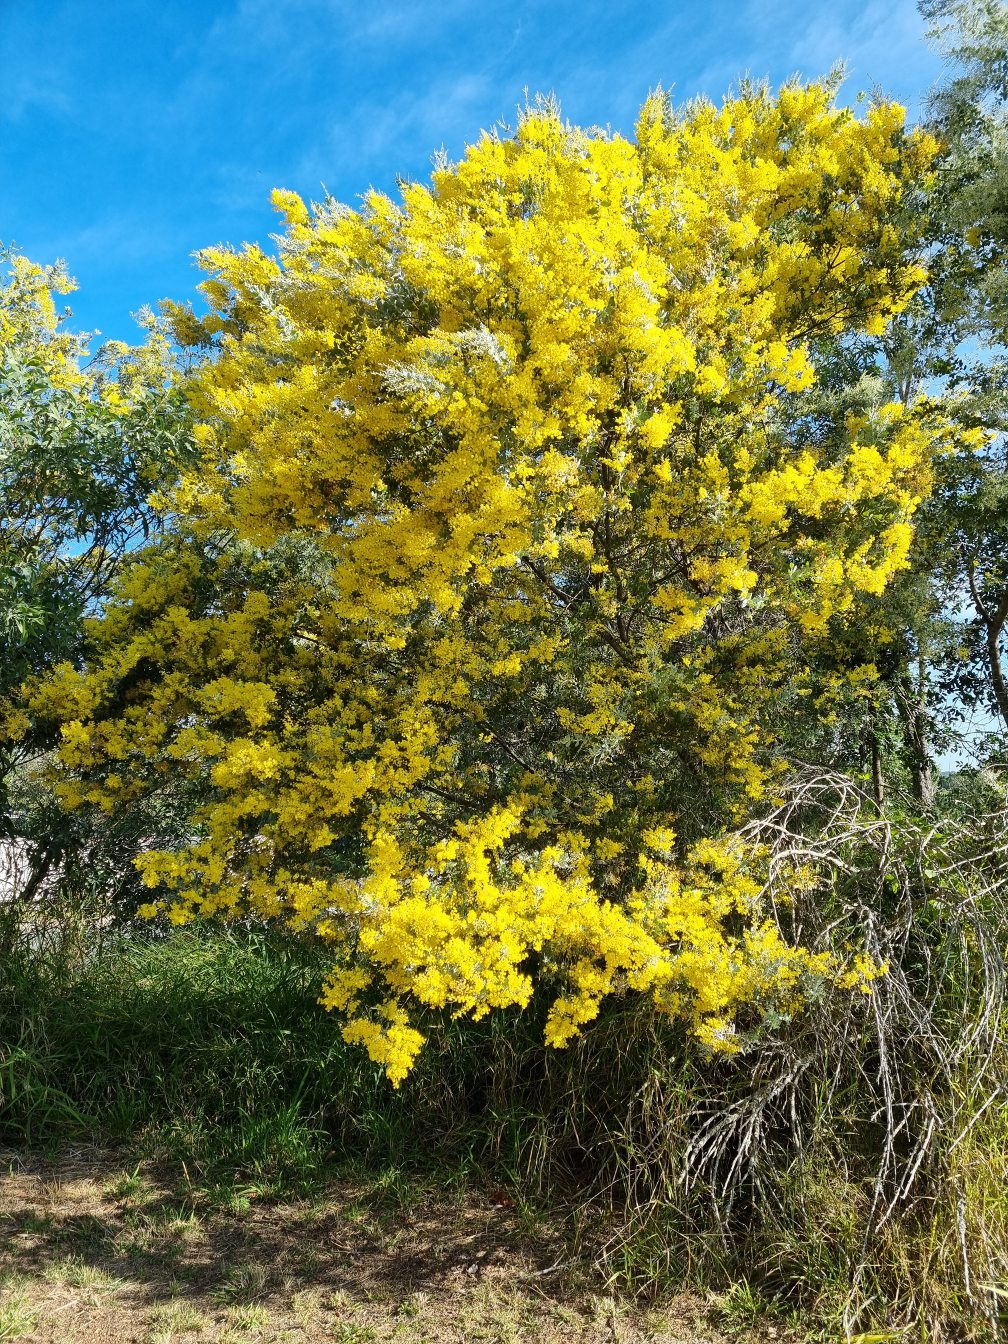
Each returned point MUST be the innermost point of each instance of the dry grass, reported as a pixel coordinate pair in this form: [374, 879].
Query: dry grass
[89, 1252]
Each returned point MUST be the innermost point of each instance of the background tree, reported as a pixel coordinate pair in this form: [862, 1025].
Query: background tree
[951, 342]
[931, 649]
[84, 443]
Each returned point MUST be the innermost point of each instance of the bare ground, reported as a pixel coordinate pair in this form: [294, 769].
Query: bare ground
[92, 1251]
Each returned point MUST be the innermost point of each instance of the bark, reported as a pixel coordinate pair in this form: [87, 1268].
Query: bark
[996, 670]
[878, 781]
[993, 619]
[915, 720]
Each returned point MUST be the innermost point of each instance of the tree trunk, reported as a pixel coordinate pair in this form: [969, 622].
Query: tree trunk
[997, 672]
[878, 782]
[915, 720]
[993, 623]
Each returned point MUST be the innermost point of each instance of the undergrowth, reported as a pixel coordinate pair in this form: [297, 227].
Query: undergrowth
[849, 1169]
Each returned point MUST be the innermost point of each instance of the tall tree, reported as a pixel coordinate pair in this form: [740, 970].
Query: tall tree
[963, 339]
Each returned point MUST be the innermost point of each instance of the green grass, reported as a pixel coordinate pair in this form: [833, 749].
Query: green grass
[251, 1316]
[211, 1047]
[77, 1273]
[214, 1043]
[17, 1317]
[178, 1318]
[244, 1284]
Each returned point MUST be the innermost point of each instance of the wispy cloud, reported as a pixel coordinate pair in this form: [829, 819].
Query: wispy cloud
[37, 90]
[881, 44]
[373, 140]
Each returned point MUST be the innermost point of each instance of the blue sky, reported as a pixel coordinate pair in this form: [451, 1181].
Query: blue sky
[132, 134]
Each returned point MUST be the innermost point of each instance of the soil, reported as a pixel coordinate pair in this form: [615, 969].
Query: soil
[97, 1250]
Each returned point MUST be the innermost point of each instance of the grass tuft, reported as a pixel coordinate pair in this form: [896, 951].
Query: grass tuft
[17, 1316]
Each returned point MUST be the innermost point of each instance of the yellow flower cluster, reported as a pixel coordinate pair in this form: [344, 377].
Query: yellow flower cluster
[517, 556]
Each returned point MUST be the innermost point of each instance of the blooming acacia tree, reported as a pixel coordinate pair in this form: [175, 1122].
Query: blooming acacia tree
[479, 610]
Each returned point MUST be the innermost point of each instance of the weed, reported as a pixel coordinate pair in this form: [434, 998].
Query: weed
[410, 1307]
[92, 1280]
[251, 1316]
[740, 1308]
[349, 1332]
[178, 1318]
[306, 1305]
[244, 1283]
[17, 1316]
[130, 1187]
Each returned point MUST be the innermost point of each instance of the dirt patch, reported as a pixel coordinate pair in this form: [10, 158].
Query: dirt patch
[92, 1251]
